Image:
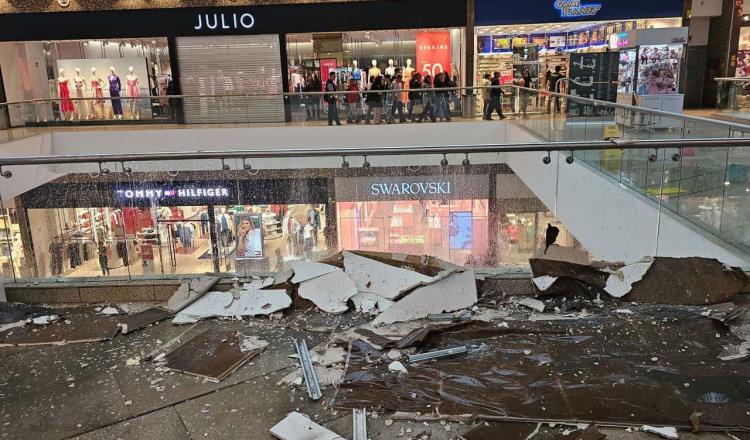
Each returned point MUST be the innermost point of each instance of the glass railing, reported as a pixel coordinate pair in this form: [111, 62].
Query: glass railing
[241, 213]
[733, 99]
[550, 116]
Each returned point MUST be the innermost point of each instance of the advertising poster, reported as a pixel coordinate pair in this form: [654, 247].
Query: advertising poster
[249, 232]
[500, 43]
[744, 43]
[540, 40]
[743, 64]
[485, 44]
[520, 41]
[461, 230]
[557, 41]
[327, 66]
[433, 52]
[598, 37]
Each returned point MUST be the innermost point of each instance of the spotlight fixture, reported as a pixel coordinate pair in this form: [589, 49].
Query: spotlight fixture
[102, 170]
[466, 162]
[224, 167]
[444, 161]
[127, 170]
[5, 173]
[547, 159]
[366, 165]
[652, 157]
[676, 157]
[344, 163]
[570, 159]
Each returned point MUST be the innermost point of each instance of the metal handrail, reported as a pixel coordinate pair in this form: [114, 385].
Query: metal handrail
[373, 151]
[732, 79]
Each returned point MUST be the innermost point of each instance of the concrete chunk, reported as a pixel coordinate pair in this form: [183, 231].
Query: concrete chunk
[307, 270]
[329, 292]
[387, 281]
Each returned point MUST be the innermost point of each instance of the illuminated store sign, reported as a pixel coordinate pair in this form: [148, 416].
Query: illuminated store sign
[413, 188]
[198, 192]
[574, 8]
[224, 21]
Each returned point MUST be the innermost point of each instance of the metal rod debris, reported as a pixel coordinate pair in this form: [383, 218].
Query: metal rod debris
[463, 315]
[437, 354]
[308, 371]
[359, 428]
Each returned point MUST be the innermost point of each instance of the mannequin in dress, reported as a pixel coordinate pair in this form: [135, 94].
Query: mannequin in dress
[66, 105]
[407, 74]
[390, 70]
[132, 80]
[81, 105]
[356, 73]
[115, 85]
[374, 71]
[97, 91]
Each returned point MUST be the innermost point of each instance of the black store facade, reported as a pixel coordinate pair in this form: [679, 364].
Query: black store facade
[207, 51]
[190, 224]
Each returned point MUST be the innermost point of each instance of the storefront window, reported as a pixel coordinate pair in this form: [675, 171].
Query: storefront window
[364, 55]
[100, 69]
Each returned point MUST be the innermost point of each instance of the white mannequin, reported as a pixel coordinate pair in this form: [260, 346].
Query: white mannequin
[97, 91]
[66, 105]
[357, 73]
[390, 70]
[114, 81]
[82, 105]
[374, 71]
[132, 82]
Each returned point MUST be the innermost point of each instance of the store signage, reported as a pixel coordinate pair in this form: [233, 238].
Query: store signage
[413, 188]
[574, 8]
[224, 21]
[433, 52]
[193, 192]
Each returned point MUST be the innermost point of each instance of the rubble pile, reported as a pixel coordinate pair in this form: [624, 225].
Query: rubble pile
[655, 346]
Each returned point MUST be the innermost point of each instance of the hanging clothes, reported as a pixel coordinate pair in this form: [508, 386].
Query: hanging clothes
[204, 223]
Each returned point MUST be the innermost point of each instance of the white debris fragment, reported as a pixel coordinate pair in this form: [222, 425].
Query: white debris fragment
[665, 431]
[110, 311]
[621, 281]
[44, 320]
[397, 367]
[623, 312]
[453, 292]
[329, 292]
[544, 282]
[307, 270]
[251, 301]
[251, 343]
[128, 402]
[387, 281]
[531, 303]
[133, 361]
[394, 354]
[327, 356]
[654, 359]
[297, 426]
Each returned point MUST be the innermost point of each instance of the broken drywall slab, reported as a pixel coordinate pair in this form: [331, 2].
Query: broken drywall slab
[329, 292]
[662, 431]
[688, 281]
[397, 367]
[224, 304]
[297, 426]
[251, 343]
[327, 376]
[109, 311]
[454, 292]
[544, 282]
[327, 356]
[365, 302]
[387, 281]
[564, 253]
[533, 304]
[190, 291]
[137, 321]
[621, 280]
[307, 270]
[79, 328]
[44, 320]
[212, 355]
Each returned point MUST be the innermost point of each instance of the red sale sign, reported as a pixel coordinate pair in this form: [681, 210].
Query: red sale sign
[327, 65]
[433, 52]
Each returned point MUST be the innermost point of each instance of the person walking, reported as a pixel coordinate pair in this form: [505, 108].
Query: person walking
[332, 100]
[352, 101]
[496, 98]
[397, 105]
[486, 91]
[428, 99]
[415, 96]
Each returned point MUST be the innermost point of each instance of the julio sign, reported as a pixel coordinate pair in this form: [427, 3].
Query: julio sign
[210, 22]
[433, 52]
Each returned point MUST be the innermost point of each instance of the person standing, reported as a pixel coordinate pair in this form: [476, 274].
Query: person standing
[375, 100]
[486, 91]
[103, 258]
[398, 96]
[332, 99]
[352, 101]
[524, 95]
[415, 96]
[428, 98]
[553, 85]
[313, 100]
[496, 98]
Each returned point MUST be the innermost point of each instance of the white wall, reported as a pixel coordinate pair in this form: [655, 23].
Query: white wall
[611, 221]
[26, 178]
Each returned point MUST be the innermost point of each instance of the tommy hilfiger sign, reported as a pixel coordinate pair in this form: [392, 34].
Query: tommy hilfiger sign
[157, 193]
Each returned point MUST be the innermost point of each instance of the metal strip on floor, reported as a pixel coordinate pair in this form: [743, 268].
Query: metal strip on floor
[359, 424]
[308, 371]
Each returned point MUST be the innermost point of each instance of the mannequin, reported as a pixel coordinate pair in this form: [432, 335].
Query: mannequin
[81, 105]
[407, 74]
[290, 230]
[97, 91]
[114, 92]
[66, 105]
[132, 81]
[390, 70]
[356, 73]
[374, 71]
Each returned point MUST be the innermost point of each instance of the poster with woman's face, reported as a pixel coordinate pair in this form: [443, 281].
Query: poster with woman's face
[249, 234]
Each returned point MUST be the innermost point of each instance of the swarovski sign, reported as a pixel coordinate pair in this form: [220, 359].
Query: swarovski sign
[209, 22]
[193, 192]
[410, 188]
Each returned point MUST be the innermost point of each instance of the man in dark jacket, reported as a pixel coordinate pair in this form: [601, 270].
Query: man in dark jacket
[332, 100]
[496, 97]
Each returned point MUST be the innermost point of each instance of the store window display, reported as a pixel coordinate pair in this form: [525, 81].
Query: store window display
[83, 98]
